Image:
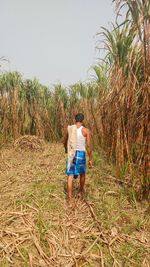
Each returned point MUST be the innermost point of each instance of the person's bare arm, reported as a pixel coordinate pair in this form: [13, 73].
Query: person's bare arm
[89, 146]
[65, 140]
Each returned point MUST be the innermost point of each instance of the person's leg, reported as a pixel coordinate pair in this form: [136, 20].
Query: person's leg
[69, 190]
[82, 182]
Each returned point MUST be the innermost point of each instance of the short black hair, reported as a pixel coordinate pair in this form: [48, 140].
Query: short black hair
[79, 117]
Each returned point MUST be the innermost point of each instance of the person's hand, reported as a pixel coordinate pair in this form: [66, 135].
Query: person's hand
[90, 163]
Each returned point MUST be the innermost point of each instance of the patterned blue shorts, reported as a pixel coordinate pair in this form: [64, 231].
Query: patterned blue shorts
[78, 165]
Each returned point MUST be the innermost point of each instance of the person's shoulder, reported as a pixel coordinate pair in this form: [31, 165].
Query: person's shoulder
[71, 126]
[86, 130]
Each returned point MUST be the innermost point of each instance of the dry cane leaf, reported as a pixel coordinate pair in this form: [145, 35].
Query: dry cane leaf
[114, 232]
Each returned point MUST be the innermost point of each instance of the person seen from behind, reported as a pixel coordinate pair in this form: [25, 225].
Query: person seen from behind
[77, 139]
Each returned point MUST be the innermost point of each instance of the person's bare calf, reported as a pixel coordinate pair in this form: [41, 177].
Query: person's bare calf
[82, 183]
[69, 190]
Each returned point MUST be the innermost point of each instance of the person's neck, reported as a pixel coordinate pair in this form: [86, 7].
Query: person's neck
[78, 124]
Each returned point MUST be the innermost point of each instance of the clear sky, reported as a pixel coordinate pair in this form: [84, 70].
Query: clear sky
[52, 40]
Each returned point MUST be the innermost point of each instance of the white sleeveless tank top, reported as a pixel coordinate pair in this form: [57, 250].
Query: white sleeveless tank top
[80, 139]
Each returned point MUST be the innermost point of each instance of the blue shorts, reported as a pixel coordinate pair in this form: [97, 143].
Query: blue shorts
[78, 165]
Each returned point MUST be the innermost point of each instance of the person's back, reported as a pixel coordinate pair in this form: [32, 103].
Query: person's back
[81, 139]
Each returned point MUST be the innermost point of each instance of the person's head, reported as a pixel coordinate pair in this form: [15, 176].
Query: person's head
[79, 117]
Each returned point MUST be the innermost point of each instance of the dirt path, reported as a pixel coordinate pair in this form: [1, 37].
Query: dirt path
[108, 228]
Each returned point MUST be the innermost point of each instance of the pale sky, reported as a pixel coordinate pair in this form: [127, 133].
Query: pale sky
[52, 40]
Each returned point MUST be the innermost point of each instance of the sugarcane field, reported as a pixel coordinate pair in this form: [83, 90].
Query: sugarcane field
[75, 133]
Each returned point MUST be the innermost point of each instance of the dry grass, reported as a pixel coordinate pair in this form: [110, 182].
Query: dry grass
[108, 228]
[29, 142]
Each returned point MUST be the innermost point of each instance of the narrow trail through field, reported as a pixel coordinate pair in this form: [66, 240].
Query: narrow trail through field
[107, 228]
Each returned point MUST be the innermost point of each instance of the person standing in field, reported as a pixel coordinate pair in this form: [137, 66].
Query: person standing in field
[77, 137]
